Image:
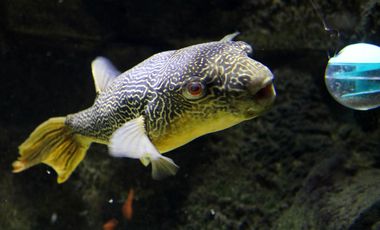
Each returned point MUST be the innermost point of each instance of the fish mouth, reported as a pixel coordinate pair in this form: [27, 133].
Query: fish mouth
[266, 94]
[263, 100]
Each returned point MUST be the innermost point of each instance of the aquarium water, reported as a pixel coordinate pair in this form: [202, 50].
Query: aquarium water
[353, 76]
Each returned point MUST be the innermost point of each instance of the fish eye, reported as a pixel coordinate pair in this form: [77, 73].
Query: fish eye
[194, 90]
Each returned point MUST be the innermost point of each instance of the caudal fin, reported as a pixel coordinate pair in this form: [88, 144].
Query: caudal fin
[54, 144]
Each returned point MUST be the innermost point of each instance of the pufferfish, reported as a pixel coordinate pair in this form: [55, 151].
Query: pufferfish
[160, 104]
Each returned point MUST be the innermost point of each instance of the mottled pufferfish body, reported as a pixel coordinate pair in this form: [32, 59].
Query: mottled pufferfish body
[162, 103]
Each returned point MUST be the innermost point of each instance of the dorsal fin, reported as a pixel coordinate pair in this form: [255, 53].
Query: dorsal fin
[103, 72]
[229, 37]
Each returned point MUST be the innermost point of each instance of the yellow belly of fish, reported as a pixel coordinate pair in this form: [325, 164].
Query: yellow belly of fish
[187, 129]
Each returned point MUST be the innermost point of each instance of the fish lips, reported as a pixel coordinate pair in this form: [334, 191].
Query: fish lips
[262, 100]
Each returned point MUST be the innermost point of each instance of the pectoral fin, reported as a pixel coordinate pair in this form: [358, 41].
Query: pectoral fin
[130, 140]
[163, 167]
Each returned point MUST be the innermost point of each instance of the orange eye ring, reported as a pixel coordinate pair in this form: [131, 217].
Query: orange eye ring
[194, 90]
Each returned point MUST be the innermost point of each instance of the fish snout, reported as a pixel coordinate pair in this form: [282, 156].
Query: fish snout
[261, 93]
[266, 95]
[261, 87]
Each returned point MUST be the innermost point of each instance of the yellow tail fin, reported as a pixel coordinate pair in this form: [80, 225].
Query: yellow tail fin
[54, 144]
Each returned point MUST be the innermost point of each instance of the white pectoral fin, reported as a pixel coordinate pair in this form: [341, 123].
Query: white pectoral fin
[130, 140]
[163, 167]
[103, 72]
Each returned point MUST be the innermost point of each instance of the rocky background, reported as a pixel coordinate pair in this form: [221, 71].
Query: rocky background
[307, 164]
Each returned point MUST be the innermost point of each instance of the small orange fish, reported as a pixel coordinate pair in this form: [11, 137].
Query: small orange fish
[127, 208]
[110, 224]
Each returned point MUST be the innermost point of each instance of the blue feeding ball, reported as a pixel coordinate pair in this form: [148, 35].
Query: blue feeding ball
[353, 76]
